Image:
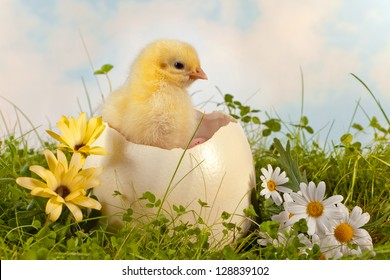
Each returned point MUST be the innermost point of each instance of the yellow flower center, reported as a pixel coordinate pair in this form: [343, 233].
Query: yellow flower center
[290, 215]
[344, 232]
[271, 185]
[315, 209]
[62, 191]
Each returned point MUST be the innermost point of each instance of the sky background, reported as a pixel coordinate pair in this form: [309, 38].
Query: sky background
[252, 49]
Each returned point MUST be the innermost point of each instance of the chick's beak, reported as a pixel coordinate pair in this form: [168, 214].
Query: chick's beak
[198, 74]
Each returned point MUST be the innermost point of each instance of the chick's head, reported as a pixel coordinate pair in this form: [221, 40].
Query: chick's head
[169, 61]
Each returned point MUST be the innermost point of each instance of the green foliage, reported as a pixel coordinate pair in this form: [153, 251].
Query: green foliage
[104, 69]
[357, 171]
[289, 246]
[289, 165]
[247, 115]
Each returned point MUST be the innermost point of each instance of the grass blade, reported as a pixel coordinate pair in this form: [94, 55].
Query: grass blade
[373, 96]
[289, 165]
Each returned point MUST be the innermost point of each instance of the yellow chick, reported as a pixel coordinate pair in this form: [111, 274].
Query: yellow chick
[153, 107]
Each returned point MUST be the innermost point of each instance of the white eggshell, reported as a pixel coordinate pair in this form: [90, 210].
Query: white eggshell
[219, 172]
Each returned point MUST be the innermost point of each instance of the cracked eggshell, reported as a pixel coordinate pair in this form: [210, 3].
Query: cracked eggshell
[219, 172]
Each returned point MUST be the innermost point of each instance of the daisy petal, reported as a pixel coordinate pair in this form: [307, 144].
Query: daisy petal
[281, 180]
[298, 199]
[77, 161]
[67, 136]
[266, 193]
[75, 128]
[276, 173]
[333, 213]
[39, 170]
[360, 234]
[296, 217]
[356, 213]
[277, 198]
[53, 209]
[75, 194]
[55, 136]
[320, 192]
[51, 160]
[93, 125]
[98, 151]
[333, 200]
[283, 189]
[30, 183]
[62, 159]
[311, 191]
[51, 181]
[303, 188]
[265, 173]
[287, 197]
[357, 218]
[87, 202]
[43, 192]
[311, 224]
[296, 209]
[78, 215]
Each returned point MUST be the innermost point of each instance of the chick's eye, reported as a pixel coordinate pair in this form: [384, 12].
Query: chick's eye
[179, 65]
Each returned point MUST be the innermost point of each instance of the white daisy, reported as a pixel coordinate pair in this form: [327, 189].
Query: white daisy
[272, 181]
[284, 217]
[343, 233]
[310, 205]
[266, 239]
[284, 241]
[309, 243]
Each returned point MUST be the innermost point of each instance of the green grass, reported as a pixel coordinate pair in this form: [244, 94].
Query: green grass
[357, 171]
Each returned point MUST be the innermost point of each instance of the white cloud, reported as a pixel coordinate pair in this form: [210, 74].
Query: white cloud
[380, 72]
[30, 77]
[268, 56]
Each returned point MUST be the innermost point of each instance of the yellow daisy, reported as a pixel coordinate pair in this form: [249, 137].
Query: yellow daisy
[63, 184]
[79, 134]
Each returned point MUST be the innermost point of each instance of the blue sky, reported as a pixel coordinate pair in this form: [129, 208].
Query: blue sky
[253, 49]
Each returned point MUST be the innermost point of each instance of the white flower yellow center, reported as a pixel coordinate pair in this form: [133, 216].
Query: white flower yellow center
[315, 209]
[62, 191]
[271, 185]
[344, 232]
